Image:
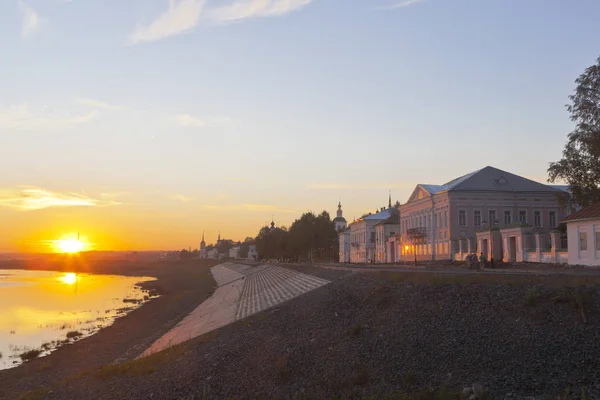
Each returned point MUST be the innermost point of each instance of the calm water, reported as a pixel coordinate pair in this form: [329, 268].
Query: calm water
[39, 308]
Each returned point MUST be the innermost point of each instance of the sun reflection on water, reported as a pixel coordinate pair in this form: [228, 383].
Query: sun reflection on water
[40, 309]
[69, 278]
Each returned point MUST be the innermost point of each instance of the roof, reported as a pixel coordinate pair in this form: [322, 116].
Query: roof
[490, 179]
[393, 220]
[385, 214]
[589, 212]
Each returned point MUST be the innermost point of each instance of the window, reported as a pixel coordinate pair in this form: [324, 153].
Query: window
[552, 219]
[462, 218]
[582, 240]
[597, 240]
[492, 215]
[477, 218]
[523, 216]
[537, 219]
[445, 219]
[507, 217]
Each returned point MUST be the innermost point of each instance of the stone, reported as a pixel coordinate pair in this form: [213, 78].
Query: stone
[473, 397]
[467, 391]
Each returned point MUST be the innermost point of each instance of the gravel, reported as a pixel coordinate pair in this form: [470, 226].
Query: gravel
[372, 334]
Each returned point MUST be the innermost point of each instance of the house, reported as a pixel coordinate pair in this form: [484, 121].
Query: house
[212, 253]
[344, 245]
[583, 232]
[440, 221]
[234, 252]
[362, 236]
[252, 252]
[383, 231]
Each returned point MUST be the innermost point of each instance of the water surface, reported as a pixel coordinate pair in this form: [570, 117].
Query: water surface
[39, 308]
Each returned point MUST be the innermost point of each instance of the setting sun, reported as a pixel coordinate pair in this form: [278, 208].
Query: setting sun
[71, 243]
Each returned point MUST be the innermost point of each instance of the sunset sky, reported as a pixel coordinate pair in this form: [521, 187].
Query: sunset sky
[141, 123]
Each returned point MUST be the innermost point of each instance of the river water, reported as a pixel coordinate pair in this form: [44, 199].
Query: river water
[42, 310]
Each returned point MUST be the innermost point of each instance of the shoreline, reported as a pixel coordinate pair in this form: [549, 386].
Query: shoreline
[180, 285]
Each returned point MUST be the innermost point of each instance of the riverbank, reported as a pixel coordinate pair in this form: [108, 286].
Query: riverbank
[381, 333]
[181, 285]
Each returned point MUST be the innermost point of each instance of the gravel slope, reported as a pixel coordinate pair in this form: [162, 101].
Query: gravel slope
[378, 334]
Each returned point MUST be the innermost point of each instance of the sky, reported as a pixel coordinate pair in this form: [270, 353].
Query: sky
[143, 123]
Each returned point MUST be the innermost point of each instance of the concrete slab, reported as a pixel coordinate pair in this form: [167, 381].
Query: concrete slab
[224, 273]
[217, 311]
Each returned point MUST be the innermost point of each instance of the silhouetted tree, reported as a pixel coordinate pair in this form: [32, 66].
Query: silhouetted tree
[245, 246]
[580, 163]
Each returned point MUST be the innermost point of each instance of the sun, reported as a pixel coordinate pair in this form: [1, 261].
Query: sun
[71, 244]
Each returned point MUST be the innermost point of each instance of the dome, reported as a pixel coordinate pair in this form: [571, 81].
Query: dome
[339, 219]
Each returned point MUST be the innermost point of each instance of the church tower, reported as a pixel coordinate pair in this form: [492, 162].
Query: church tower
[339, 220]
[202, 247]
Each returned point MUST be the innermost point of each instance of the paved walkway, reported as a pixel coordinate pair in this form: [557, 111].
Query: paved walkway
[243, 291]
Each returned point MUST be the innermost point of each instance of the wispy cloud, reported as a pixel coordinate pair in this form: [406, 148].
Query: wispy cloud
[182, 198]
[250, 207]
[23, 118]
[96, 104]
[190, 121]
[182, 16]
[244, 9]
[33, 198]
[360, 186]
[401, 4]
[32, 22]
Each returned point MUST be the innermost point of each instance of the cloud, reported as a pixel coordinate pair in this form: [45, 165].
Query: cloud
[190, 121]
[402, 4]
[96, 104]
[23, 118]
[244, 9]
[182, 197]
[249, 207]
[32, 198]
[181, 17]
[31, 20]
[236, 178]
[360, 186]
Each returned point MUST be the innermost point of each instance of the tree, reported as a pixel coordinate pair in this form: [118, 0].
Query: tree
[272, 243]
[310, 233]
[184, 254]
[245, 247]
[580, 163]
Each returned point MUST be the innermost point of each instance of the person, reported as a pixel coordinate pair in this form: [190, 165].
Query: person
[482, 260]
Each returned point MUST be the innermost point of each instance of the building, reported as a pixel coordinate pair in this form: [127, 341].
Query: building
[344, 245]
[583, 233]
[234, 252]
[202, 247]
[252, 252]
[363, 235]
[438, 221]
[383, 231]
[212, 253]
[339, 220]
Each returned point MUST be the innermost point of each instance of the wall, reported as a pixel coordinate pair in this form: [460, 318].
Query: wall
[577, 256]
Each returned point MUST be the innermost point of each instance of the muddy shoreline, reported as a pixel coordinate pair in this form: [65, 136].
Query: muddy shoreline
[181, 287]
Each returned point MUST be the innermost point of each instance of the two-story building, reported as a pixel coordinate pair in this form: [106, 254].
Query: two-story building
[363, 236]
[437, 217]
[383, 231]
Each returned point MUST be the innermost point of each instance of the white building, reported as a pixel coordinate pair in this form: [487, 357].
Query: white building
[234, 252]
[385, 229]
[583, 232]
[363, 236]
[252, 253]
[344, 244]
[212, 253]
[202, 247]
[339, 220]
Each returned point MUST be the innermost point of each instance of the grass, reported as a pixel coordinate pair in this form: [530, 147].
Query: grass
[356, 329]
[531, 296]
[30, 355]
[43, 366]
[37, 394]
[73, 334]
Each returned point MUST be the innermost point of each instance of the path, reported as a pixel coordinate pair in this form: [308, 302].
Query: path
[242, 291]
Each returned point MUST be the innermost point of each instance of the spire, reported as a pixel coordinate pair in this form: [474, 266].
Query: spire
[272, 223]
[203, 236]
[390, 199]
[339, 210]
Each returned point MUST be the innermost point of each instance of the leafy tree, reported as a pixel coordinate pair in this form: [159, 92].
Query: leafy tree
[580, 163]
[225, 245]
[272, 243]
[245, 247]
[310, 233]
[184, 254]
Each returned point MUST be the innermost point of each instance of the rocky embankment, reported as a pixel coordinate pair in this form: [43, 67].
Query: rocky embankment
[374, 335]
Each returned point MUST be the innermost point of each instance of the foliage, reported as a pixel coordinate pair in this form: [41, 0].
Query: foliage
[225, 245]
[245, 247]
[185, 254]
[580, 163]
[308, 233]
